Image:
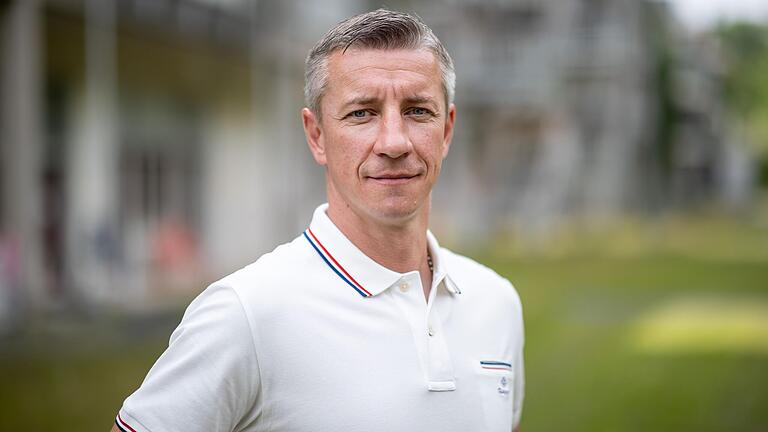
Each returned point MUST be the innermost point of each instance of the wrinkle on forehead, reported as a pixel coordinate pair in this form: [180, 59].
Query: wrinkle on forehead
[375, 74]
[416, 57]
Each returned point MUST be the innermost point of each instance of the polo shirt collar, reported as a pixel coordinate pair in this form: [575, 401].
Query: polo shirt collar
[359, 271]
[440, 270]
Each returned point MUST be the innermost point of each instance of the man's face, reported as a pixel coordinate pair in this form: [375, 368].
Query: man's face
[383, 133]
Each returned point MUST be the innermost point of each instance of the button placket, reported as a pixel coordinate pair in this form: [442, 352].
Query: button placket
[427, 332]
[411, 304]
[440, 373]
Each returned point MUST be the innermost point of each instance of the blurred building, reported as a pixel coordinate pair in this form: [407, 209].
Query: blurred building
[148, 145]
[581, 109]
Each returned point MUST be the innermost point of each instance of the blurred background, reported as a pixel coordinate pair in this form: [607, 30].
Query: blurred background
[610, 159]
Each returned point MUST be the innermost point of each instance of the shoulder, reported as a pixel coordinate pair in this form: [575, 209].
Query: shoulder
[278, 268]
[272, 281]
[476, 279]
[279, 263]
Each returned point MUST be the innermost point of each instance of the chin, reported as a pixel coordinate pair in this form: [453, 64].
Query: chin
[396, 209]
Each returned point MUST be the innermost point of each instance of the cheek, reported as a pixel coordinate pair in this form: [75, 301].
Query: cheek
[349, 150]
[428, 142]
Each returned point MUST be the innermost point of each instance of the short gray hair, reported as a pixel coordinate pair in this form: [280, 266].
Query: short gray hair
[379, 29]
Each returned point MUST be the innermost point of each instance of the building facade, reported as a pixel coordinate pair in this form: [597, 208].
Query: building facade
[151, 145]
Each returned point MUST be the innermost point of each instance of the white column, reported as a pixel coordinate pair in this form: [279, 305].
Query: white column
[21, 126]
[93, 244]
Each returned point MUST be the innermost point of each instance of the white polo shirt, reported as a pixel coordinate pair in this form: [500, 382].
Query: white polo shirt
[316, 336]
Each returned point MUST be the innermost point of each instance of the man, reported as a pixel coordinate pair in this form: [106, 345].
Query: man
[362, 323]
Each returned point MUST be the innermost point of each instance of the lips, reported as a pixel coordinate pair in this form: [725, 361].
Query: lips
[393, 178]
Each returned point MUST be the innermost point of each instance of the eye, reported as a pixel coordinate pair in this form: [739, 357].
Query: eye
[358, 114]
[419, 111]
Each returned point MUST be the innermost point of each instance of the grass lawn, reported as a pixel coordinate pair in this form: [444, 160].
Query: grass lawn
[638, 344]
[671, 338]
[644, 327]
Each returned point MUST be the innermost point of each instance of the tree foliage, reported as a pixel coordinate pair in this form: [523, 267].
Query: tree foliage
[745, 46]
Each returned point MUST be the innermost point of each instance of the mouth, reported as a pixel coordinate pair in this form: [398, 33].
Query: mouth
[393, 179]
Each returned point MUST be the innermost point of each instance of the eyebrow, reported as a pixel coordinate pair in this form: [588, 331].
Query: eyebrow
[368, 100]
[360, 100]
[419, 99]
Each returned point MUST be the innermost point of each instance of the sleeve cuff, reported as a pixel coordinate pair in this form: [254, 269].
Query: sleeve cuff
[126, 423]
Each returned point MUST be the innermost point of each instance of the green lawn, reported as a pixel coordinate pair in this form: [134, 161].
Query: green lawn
[644, 326]
[654, 335]
[637, 344]
[74, 381]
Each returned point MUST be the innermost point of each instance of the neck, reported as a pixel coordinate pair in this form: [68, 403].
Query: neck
[399, 246]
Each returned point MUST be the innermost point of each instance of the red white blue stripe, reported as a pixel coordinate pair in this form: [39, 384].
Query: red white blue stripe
[333, 264]
[495, 365]
[122, 425]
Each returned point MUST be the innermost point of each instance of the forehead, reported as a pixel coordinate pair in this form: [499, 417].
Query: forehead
[372, 70]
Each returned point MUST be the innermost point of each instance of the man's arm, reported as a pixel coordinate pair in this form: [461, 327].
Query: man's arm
[115, 429]
[207, 379]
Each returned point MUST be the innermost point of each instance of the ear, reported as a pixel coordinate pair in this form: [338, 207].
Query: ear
[314, 133]
[450, 119]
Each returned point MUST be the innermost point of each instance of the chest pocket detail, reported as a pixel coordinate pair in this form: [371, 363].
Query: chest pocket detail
[495, 365]
[496, 391]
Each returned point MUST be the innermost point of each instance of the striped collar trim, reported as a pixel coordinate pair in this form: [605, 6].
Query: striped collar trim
[334, 265]
[367, 277]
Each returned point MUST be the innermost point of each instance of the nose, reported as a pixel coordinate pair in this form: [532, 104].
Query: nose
[393, 140]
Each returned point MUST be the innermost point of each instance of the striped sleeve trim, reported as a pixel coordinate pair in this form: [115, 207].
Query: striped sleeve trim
[122, 425]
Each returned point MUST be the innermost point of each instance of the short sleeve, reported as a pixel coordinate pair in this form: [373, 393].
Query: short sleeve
[519, 390]
[208, 377]
[519, 373]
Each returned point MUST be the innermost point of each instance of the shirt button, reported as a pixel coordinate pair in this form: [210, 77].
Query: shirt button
[404, 286]
[430, 331]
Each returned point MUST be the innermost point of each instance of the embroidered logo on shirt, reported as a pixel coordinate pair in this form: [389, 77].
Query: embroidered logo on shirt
[503, 385]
